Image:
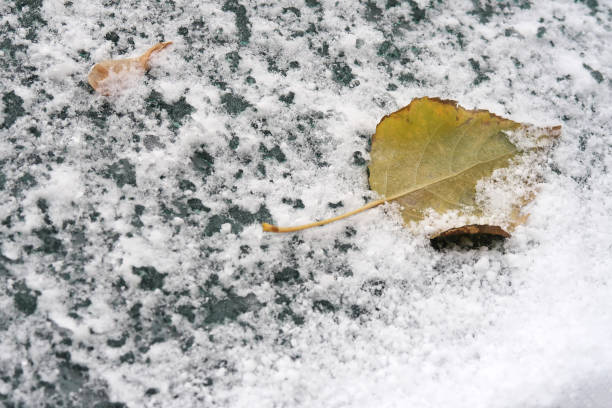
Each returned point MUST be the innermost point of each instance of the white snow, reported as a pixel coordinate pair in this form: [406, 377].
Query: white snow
[528, 324]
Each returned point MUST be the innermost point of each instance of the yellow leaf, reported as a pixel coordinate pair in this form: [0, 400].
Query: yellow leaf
[108, 77]
[431, 155]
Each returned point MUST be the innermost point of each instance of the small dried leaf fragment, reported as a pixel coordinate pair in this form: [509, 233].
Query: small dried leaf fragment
[472, 230]
[431, 156]
[469, 236]
[108, 77]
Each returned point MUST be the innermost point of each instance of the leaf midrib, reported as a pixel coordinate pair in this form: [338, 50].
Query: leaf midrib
[437, 180]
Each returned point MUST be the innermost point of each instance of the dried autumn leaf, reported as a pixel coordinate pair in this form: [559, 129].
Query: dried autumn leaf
[431, 155]
[108, 77]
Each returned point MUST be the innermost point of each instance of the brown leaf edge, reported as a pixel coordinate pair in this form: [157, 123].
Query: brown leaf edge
[450, 102]
[473, 229]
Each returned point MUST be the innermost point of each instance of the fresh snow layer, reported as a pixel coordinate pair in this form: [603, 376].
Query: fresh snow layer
[133, 268]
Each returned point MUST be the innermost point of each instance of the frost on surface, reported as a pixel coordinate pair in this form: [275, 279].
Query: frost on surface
[133, 270]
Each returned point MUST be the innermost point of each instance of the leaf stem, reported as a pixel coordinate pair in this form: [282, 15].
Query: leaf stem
[273, 228]
[144, 58]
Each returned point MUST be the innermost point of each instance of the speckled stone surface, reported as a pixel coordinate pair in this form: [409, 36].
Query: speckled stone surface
[134, 272]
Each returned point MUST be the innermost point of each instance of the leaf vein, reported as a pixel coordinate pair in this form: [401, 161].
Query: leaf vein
[446, 178]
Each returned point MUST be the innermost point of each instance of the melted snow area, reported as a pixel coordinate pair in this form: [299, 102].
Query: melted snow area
[133, 268]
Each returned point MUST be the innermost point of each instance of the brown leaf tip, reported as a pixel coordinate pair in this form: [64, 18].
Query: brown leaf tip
[144, 58]
[555, 131]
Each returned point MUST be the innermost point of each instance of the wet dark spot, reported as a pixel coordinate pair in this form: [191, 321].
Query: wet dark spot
[187, 311]
[323, 306]
[152, 142]
[480, 76]
[287, 98]
[234, 104]
[343, 74]
[389, 51]
[418, 14]
[13, 108]
[128, 358]
[215, 223]
[196, 205]
[230, 308]
[293, 10]
[150, 278]
[122, 172]
[112, 36]
[234, 60]
[25, 299]
[358, 159]
[134, 311]
[372, 11]
[202, 161]
[286, 275]
[297, 203]
[375, 287]
[343, 246]
[138, 211]
[176, 111]
[117, 343]
[184, 31]
[243, 25]
[185, 184]
[591, 4]
[595, 74]
[50, 243]
[273, 153]
[484, 12]
[355, 311]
